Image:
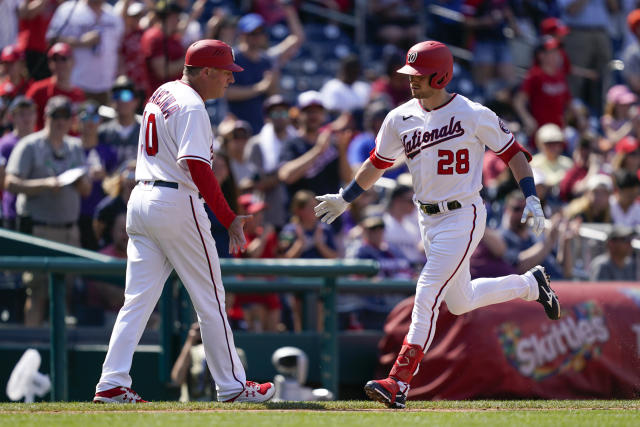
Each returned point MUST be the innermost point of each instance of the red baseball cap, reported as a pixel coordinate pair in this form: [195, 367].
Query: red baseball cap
[11, 53]
[251, 204]
[211, 53]
[60, 48]
[627, 145]
[633, 19]
[553, 27]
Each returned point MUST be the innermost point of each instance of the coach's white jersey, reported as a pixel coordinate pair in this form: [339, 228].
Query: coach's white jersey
[444, 148]
[175, 128]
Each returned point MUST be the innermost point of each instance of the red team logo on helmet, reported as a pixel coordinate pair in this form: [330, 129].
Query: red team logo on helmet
[430, 58]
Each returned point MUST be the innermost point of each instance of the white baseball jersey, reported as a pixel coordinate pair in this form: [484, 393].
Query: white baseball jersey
[444, 148]
[175, 127]
[169, 229]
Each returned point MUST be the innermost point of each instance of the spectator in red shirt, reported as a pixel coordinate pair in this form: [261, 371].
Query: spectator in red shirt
[61, 64]
[161, 47]
[574, 183]
[34, 20]
[15, 81]
[544, 94]
[557, 29]
[132, 63]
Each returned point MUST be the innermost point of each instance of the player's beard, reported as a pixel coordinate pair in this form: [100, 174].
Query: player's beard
[421, 92]
[416, 93]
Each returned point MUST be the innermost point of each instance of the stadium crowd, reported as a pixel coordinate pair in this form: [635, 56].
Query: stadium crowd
[74, 75]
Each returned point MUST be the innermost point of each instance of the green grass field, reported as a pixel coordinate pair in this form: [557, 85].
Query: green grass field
[575, 413]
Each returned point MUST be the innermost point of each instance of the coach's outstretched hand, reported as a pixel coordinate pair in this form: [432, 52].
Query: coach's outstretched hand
[534, 208]
[330, 207]
[237, 241]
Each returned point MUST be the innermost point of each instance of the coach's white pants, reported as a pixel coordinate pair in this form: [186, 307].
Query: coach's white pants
[169, 229]
[450, 238]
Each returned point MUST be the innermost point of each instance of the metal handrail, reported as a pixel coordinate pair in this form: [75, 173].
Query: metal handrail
[252, 267]
[329, 270]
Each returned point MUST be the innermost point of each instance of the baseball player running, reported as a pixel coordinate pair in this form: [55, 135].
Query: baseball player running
[168, 227]
[443, 137]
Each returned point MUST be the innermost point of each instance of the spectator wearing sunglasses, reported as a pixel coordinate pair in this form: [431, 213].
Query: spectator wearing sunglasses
[101, 161]
[122, 132]
[61, 64]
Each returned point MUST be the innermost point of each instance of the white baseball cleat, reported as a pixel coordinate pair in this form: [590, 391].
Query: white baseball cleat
[255, 393]
[118, 395]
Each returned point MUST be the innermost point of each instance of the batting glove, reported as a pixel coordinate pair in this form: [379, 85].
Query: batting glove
[330, 207]
[534, 208]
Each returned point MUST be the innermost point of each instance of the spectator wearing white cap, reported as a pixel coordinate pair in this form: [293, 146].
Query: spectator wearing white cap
[235, 135]
[593, 206]
[316, 159]
[261, 64]
[549, 161]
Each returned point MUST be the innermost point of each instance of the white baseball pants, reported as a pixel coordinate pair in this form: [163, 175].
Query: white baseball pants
[169, 229]
[450, 238]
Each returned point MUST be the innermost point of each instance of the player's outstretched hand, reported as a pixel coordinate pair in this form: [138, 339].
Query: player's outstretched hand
[534, 208]
[237, 241]
[330, 207]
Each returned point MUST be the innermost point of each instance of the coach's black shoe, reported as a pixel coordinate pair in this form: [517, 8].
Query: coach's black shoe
[387, 392]
[547, 297]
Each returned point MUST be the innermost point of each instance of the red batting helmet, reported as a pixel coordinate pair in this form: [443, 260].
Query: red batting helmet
[211, 53]
[430, 58]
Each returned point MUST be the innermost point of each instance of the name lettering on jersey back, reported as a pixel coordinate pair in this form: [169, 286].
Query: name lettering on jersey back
[165, 101]
[419, 140]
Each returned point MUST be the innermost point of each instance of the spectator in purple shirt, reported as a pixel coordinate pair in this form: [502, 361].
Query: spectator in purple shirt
[101, 161]
[22, 113]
